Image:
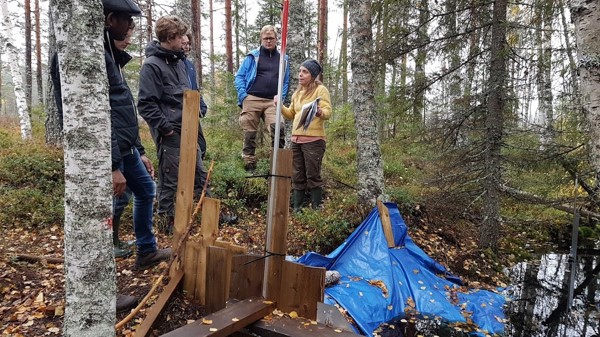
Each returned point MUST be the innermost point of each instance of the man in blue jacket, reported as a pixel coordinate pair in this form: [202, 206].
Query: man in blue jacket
[256, 83]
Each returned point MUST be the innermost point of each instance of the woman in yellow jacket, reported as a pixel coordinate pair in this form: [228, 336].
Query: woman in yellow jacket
[308, 140]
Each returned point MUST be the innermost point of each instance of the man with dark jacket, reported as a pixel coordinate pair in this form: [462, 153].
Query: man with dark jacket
[160, 102]
[130, 168]
[190, 70]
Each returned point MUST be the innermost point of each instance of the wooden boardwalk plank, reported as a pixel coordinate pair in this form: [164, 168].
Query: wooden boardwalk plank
[275, 326]
[227, 321]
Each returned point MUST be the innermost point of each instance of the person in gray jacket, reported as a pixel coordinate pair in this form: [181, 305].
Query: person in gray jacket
[160, 103]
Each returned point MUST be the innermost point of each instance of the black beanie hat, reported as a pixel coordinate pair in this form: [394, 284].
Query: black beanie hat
[313, 67]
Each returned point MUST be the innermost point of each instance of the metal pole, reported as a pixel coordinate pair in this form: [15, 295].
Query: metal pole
[282, 66]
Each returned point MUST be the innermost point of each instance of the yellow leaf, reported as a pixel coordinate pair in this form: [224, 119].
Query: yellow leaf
[206, 321]
[293, 314]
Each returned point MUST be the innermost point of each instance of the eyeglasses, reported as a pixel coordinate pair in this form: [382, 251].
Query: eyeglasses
[268, 38]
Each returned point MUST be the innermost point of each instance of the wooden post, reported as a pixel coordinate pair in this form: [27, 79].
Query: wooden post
[208, 234]
[384, 216]
[276, 239]
[187, 169]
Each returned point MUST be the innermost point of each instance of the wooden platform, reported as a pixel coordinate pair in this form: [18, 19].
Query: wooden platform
[275, 326]
[227, 321]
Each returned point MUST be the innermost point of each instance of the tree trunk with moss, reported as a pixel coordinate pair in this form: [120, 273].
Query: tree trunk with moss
[89, 262]
[368, 152]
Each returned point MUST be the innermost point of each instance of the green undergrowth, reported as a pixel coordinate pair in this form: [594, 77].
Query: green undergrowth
[32, 184]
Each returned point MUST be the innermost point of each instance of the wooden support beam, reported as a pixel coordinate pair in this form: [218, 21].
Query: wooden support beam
[301, 288]
[219, 268]
[384, 215]
[246, 276]
[154, 311]
[235, 249]
[187, 168]
[208, 235]
[226, 321]
[277, 238]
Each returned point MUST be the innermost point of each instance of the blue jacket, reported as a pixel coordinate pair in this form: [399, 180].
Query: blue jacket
[244, 78]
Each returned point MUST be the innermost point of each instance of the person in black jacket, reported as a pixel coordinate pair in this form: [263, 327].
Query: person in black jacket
[190, 70]
[160, 103]
[130, 167]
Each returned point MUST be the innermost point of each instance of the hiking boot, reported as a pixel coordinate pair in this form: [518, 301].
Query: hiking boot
[129, 244]
[230, 219]
[122, 253]
[126, 302]
[250, 167]
[143, 262]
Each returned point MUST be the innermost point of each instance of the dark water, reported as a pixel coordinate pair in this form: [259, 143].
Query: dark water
[540, 294]
[538, 306]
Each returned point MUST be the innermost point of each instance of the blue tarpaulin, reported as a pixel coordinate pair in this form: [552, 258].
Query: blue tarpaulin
[379, 283]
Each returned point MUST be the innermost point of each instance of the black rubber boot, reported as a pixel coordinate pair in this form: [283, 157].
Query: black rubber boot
[297, 200]
[316, 197]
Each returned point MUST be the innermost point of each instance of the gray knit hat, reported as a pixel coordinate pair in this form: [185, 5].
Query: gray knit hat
[313, 67]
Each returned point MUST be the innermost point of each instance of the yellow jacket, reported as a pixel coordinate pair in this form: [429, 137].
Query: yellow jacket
[315, 128]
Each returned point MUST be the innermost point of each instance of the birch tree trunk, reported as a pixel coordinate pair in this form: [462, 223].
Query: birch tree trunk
[89, 262]
[6, 39]
[489, 232]
[28, 78]
[38, 53]
[54, 135]
[585, 14]
[369, 162]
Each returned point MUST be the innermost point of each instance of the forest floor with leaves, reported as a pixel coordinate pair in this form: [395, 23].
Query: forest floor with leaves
[32, 293]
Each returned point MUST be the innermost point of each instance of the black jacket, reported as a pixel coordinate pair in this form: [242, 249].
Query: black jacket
[124, 122]
[125, 129]
[162, 82]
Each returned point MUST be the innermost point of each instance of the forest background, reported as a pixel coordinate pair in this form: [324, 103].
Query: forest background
[471, 115]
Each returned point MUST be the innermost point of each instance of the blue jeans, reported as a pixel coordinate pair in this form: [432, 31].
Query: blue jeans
[144, 191]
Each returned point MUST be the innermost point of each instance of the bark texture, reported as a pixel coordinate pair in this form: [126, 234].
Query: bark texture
[54, 136]
[89, 262]
[585, 14]
[368, 152]
[489, 232]
[6, 39]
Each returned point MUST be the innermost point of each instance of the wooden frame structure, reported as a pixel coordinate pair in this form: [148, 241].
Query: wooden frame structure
[213, 272]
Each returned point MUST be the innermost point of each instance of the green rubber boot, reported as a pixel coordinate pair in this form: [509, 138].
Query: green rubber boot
[316, 197]
[297, 200]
